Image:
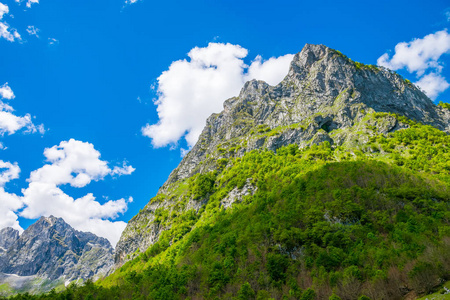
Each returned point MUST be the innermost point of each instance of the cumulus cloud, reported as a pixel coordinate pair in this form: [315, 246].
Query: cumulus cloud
[421, 56]
[271, 71]
[191, 90]
[4, 9]
[9, 203]
[433, 84]
[75, 163]
[6, 92]
[9, 122]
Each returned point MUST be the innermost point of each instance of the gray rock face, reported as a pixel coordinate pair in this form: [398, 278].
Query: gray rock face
[52, 249]
[238, 194]
[323, 96]
[8, 236]
[141, 225]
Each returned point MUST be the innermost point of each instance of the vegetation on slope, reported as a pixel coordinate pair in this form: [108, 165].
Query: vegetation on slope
[444, 104]
[369, 222]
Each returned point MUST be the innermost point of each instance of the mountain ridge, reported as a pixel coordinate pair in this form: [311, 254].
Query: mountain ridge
[411, 102]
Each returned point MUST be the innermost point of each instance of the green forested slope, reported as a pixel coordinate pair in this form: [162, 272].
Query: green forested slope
[359, 220]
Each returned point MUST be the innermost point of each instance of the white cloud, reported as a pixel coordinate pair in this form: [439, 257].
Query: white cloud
[9, 122]
[6, 92]
[421, 56]
[131, 1]
[433, 84]
[271, 71]
[4, 9]
[6, 32]
[12, 172]
[75, 163]
[124, 170]
[30, 2]
[32, 30]
[9, 203]
[190, 91]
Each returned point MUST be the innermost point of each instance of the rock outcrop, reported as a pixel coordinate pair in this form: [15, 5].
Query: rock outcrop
[8, 236]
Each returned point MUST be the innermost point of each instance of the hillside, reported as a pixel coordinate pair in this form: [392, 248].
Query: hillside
[334, 184]
[373, 223]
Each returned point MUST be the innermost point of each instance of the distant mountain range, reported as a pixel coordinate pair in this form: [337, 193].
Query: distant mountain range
[49, 254]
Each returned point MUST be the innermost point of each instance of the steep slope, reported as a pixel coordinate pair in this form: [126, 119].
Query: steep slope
[50, 250]
[324, 97]
[320, 223]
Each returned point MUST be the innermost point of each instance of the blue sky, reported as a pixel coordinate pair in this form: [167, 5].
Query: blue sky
[90, 71]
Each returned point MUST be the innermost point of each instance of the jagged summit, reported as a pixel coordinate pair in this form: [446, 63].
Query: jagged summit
[51, 220]
[51, 249]
[323, 96]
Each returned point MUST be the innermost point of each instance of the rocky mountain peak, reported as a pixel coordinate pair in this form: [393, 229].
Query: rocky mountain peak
[322, 84]
[51, 249]
[51, 220]
[310, 54]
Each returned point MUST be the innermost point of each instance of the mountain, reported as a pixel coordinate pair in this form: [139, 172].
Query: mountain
[51, 253]
[333, 184]
[323, 98]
